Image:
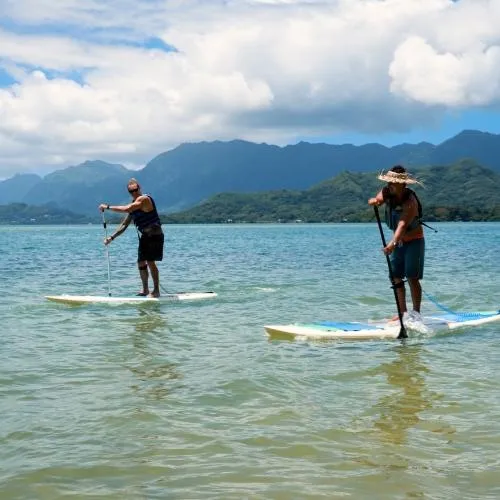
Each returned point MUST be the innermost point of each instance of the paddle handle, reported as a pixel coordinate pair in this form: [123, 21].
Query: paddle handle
[105, 226]
[402, 332]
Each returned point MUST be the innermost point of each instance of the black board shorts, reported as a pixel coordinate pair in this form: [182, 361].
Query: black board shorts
[150, 247]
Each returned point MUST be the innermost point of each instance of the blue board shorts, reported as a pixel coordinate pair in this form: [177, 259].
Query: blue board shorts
[407, 260]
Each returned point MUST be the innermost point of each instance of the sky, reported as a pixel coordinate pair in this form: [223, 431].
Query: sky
[124, 80]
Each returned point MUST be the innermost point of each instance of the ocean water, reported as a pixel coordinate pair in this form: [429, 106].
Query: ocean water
[194, 401]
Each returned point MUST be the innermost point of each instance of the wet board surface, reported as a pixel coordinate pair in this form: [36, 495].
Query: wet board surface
[382, 330]
[104, 299]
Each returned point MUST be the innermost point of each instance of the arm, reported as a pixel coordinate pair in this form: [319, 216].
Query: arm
[121, 228]
[137, 204]
[410, 211]
[378, 199]
[398, 234]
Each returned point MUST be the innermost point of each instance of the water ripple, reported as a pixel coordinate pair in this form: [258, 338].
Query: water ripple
[193, 401]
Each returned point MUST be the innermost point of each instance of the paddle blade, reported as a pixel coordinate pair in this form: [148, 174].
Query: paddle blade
[402, 333]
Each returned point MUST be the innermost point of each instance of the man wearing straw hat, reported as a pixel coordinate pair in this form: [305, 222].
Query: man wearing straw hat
[407, 246]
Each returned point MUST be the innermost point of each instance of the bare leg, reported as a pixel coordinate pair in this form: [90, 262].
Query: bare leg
[155, 274]
[416, 293]
[143, 273]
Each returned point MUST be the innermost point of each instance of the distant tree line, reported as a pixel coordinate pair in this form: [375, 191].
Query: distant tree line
[21, 213]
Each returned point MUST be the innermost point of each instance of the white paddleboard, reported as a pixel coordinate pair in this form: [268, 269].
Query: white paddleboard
[96, 299]
[387, 330]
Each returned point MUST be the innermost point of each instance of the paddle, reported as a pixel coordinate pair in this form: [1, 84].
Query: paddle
[402, 332]
[107, 253]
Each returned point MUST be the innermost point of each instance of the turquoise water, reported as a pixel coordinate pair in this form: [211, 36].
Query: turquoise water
[193, 401]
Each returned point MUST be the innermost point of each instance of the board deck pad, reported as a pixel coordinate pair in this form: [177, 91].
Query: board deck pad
[104, 299]
[379, 330]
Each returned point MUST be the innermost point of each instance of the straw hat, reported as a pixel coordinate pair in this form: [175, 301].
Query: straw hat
[401, 178]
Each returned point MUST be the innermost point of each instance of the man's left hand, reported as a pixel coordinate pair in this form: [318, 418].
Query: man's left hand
[388, 249]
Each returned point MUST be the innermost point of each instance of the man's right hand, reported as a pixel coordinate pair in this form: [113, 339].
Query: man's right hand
[108, 240]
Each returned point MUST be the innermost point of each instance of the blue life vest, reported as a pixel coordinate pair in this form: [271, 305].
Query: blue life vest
[393, 211]
[144, 220]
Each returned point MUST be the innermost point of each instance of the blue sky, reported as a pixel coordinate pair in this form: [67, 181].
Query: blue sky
[6, 80]
[450, 125]
[124, 80]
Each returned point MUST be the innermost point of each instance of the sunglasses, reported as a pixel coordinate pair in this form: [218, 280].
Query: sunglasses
[133, 190]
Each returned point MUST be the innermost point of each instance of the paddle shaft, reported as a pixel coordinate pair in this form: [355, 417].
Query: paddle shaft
[402, 332]
[107, 252]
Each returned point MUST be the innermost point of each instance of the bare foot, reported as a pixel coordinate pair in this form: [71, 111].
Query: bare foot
[142, 294]
[154, 295]
[394, 318]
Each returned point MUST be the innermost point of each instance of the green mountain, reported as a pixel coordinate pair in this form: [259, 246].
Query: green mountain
[193, 172]
[82, 187]
[17, 187]
[464, 191]
[482, 146]
[20, 213]
[181, 178]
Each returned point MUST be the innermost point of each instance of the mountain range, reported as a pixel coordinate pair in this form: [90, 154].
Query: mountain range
[193, 172]
[464, 190]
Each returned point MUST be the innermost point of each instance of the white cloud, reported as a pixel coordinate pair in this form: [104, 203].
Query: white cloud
[139, 17]
[471, 78]
[257, 69]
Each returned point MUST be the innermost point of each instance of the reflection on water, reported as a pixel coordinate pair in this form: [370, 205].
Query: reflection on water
[150, 320]
[155, 376]
[400, 445]
[390, 448]
[155, 381]
[399, 410]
